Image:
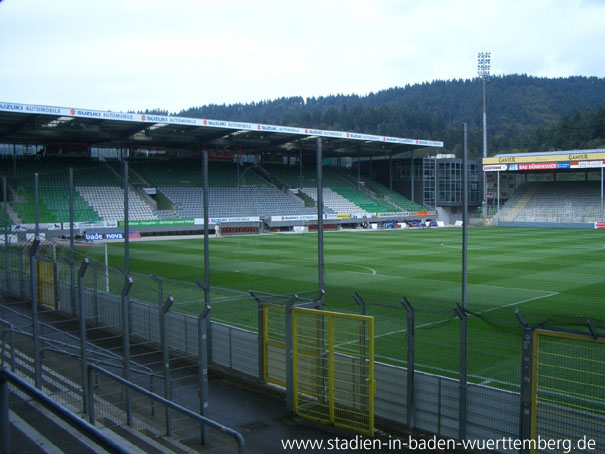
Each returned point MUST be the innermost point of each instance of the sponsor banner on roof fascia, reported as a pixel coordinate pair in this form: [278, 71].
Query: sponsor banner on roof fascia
[495, 168]
[538, 166]
[587, 164]
[88, 113]
[526, 159]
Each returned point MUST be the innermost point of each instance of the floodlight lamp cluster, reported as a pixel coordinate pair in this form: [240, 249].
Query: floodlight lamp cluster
[483, 64]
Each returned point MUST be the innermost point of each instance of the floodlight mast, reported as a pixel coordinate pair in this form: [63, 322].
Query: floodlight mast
[483, 65]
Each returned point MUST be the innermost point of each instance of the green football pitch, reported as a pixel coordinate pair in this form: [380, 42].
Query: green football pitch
[545, 273]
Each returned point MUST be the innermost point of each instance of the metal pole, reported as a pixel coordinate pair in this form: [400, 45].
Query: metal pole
[126, 227]
[602, 189]
[166, 357]
[484, 153]
[460, 311]
[411, 370]
[72, 250]
[6, 251]
[106, 268]
[83, 343]
[289, 357]
[260, 318]
[71, 212]
[391, 172]
[203, 370]
[412, 175]
[126, 341]
[37, 207]
[483, 65]
[320, 223]
[33, 253]
[436, 183]
[300, 168]
[464, 218]
[206, 249]
[498, 189]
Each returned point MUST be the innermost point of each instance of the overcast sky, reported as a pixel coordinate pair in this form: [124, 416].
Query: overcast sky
[135, 54]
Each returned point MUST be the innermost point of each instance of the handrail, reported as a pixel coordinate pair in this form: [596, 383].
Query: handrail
[92, 432]
[11, 332]
[235, 434]
[98, 352]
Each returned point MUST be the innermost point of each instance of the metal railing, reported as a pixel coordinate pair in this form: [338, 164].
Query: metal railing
[167, 403]
[89, 430]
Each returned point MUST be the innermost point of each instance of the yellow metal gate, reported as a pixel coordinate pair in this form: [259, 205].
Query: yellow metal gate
[46, 283]
[274, 344]
[333, 368]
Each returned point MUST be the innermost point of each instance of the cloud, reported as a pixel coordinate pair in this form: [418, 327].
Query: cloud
[132, 55]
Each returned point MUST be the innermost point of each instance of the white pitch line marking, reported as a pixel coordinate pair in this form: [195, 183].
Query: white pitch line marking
[361, 266]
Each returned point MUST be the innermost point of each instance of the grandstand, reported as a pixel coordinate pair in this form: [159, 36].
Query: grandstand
[552, 188]
[234, 191]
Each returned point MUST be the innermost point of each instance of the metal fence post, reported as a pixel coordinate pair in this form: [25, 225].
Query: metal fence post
[56, 279]
[72, 290]
[362, 304]
[6, 259]
[126, 342]
[463, 372]
[83, 346]
[164, 308]
[21, 273]
[526, 380]
[33, 275]
[91, 395]
[95, 283]
[411, 370]
[289, 357]
[203, 372]
[261, 337]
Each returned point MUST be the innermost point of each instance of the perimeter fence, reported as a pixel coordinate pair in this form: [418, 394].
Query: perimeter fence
[439, 367]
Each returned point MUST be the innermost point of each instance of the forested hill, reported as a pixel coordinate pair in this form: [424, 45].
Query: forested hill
[519, 108]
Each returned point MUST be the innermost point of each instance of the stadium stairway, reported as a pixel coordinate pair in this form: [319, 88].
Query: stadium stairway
[36, 430]
[515, 204]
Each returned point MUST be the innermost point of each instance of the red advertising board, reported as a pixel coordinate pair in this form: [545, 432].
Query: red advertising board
[538, 166]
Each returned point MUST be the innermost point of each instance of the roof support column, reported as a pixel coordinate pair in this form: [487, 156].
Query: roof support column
[412, 176]
[391, 172]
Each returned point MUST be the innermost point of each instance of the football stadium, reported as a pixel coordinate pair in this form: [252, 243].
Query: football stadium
[373, 283]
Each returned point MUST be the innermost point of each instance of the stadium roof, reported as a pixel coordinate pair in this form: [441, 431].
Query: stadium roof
[36, 124]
